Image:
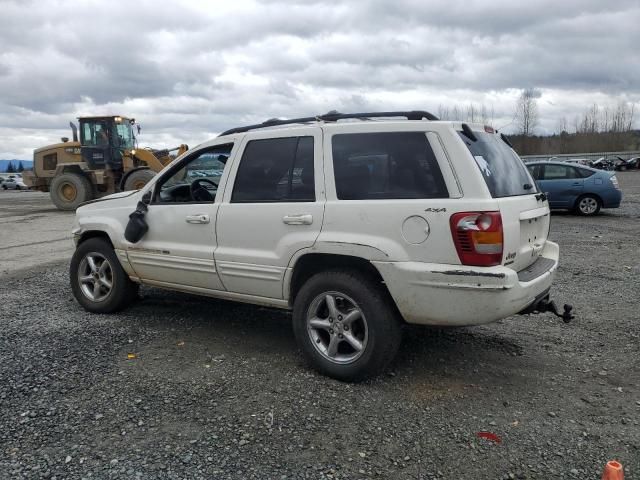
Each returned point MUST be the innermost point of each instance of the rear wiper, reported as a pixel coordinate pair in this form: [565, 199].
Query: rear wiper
[469, 133]
[506, 140]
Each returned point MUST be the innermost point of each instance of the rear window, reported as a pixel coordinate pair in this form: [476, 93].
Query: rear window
[502, 169]
[386, 165]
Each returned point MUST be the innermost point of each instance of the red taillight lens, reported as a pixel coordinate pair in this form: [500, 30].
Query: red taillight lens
[478, 237]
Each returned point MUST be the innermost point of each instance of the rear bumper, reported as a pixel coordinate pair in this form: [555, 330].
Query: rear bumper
[458, 295]
[612, 199]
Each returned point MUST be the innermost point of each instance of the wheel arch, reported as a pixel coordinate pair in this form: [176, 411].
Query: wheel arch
[84, 236]
[308, 264]
[69, 168]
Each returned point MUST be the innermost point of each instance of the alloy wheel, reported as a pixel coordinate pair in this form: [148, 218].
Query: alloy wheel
[95, 276]
[588, 205]
[337, 327]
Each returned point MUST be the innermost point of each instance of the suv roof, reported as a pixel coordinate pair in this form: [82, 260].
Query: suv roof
[333, 116]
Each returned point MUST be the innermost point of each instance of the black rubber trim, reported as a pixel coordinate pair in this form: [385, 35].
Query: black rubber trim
[541, 266]
[333, 117]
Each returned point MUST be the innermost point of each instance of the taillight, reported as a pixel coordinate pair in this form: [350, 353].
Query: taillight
[614, 180]
[478, 237]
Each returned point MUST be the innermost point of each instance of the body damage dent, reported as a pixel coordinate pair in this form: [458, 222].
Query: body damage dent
[471, 273]
[318, 247]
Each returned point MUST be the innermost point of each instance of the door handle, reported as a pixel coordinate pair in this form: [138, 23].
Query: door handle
[199, 218]
[304, 219]
[577, 184]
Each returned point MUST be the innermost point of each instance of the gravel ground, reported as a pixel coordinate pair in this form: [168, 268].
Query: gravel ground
[181, 387]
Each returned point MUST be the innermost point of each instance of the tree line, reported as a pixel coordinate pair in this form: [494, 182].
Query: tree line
[13, 169]
[598, 129]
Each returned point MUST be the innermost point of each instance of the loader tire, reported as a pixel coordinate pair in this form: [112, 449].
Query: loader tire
[69, 190]
[138, 179]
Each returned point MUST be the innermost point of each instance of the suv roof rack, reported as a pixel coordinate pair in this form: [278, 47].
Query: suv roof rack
[333, 116]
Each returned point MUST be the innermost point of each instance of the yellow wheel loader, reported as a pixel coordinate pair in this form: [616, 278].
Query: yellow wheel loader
[104, 160]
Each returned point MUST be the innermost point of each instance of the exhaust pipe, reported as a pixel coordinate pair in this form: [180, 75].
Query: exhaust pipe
[74, 129]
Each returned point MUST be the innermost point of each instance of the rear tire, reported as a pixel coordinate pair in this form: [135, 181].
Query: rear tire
[98, 281]
[588, 205]
[346, 325]
[69, 190]
[138, 179]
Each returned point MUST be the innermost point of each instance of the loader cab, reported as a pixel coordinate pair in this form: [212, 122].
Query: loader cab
[104, 139]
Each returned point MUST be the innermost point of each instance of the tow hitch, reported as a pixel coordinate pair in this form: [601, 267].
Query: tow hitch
[544, 304]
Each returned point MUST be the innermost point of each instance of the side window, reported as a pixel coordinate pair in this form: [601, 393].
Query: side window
[556, 172]
[276, 170]
[385, 166]
[195, 181]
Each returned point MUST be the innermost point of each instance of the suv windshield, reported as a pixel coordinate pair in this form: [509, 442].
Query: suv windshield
[502, 169]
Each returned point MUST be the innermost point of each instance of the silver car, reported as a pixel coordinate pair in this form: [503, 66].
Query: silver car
[13, 182]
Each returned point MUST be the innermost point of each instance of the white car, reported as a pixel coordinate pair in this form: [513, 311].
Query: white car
[12, 182]
[356, 226]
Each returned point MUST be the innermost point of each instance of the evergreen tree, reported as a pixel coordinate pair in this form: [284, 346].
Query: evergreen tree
[20, 167]
[10, 168]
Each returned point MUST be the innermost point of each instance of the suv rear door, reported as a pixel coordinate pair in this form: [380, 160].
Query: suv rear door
[389, 192]
[272, 207]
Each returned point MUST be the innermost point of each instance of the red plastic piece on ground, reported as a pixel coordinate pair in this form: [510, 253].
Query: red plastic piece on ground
[492, 437]
[613, 471]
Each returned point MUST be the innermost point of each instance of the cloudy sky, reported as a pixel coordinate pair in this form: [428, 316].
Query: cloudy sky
[187, 70]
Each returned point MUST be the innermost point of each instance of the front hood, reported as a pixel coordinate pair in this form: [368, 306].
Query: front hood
[110, 201]
[113, 196]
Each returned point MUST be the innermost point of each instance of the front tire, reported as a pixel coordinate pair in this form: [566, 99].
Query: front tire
[588, 205]
[98, 281]
[346, 325]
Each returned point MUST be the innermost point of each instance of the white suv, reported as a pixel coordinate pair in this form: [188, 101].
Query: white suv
[356, 226]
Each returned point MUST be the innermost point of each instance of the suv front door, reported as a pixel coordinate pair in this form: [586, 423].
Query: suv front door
[177, 251]
[273, 206]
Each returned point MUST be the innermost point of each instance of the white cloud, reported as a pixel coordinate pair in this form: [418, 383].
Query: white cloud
[188, 69]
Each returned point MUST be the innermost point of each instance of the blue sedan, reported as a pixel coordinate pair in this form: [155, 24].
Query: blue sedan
[581, 189]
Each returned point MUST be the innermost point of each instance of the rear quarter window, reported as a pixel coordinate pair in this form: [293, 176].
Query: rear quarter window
[502, 169]
[584, 173]
[386, 165]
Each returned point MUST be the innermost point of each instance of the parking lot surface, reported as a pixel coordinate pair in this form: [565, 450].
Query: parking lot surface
[185, 387]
